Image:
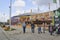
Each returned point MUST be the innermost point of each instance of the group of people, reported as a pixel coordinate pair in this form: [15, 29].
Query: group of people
[51, 28]
[24, 27]
[32, 27]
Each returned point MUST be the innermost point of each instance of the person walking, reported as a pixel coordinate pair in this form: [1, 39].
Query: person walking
[51, 29]
[32, 27]
[39, 29]
[42, 29]
[58, 32]
[24, 27]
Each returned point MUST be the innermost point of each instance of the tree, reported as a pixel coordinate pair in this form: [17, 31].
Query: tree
[58, 10]
[59, 16]
[54, 11]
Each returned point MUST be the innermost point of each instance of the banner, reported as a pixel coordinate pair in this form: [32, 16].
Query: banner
[52, 20]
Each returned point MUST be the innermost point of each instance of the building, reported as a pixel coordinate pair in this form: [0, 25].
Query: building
[28, 17]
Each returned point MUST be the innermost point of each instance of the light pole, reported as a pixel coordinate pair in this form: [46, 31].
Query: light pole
[49, 8]
[10, 7]
[4, 17]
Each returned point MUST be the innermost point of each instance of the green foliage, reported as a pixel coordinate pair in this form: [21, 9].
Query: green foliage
[54, 11]
[13, 29]
[58, 9]
[8, 29]
[59, 12]
[59, 16]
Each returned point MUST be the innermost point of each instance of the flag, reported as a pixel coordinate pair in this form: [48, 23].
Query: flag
[52, 20]
[54, 1]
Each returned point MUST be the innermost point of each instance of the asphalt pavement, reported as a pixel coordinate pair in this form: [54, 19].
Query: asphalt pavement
[19, 35]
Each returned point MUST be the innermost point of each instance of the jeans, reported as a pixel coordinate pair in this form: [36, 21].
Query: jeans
[51, 32]
[24, 28]
[32, 30]
[39, 30]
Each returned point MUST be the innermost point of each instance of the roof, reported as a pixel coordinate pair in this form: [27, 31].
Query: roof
[28, 14]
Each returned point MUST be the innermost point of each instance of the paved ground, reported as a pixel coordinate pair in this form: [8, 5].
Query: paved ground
[33, 36]
[18, 35]
[3, 35]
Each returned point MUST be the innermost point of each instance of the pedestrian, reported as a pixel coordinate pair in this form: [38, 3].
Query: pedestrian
[32, 27]
[39, 29]
[51, 29]
[58, 32]
[24, 27]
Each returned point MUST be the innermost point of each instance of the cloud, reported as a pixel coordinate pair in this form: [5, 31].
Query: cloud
[44, 4]
[19, 3]
[41, 2]
[3, 17]
[18, 12]
[0, 16]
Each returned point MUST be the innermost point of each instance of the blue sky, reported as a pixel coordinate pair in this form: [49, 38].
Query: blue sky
[4, 6]
[19, 6]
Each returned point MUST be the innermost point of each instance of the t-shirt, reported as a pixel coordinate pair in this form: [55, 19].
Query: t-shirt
[24, 24]
[32, 25]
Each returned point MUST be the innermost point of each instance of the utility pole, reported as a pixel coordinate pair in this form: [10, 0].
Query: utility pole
[10, 7]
